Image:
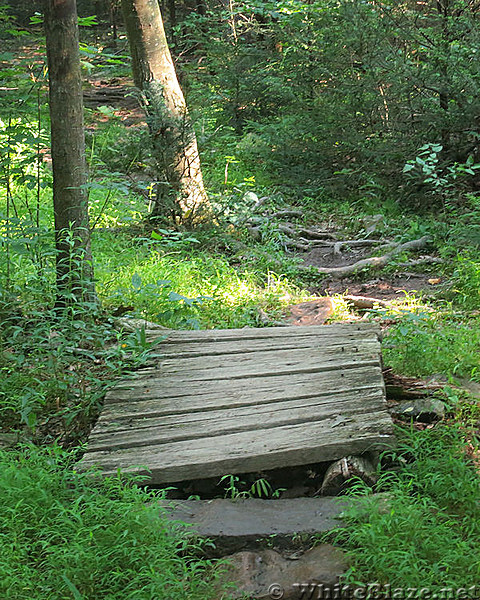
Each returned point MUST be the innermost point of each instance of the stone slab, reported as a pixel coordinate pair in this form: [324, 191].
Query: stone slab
[237, 524]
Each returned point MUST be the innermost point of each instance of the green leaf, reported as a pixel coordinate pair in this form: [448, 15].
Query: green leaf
[174, 297]
[136, 281]
[76, 594]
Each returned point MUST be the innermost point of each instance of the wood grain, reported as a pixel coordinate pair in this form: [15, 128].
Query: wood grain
[233, 401]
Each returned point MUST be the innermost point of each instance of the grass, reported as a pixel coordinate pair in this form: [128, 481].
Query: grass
[422, 531]
[424, 344]
[177, 284]
[66, 534]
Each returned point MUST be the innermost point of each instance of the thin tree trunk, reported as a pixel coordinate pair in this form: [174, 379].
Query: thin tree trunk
[112, 9]
[70, 198]
[181, 194]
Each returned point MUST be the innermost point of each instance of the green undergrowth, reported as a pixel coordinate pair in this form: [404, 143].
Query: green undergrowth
[55, 367]
[430, 343]
[422, 531]
[65, 534]
[174, 282]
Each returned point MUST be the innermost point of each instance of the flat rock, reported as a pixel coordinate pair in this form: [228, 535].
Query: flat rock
[267, 574]
[310, 313]
[423, 409]
[236, 525]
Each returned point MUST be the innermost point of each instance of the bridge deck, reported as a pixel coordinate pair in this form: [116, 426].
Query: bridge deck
[246, 400]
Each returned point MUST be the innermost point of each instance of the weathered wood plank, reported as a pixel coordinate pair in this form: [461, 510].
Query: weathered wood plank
[357, 400]
[249, 368]
[240, 346]
[213, 423]
[248, 451]
[218, 402]
[323, 331]
[284, 357]
[237, 354]
[156, 400]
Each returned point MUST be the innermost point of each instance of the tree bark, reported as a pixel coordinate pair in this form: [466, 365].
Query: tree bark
[70, 197]
[181, 194]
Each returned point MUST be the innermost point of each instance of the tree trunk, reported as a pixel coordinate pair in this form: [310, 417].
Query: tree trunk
[70, 198]
[181, 194]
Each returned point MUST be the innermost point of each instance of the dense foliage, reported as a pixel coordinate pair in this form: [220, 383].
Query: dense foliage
[420, 532]
[341, 95]
[69, 535]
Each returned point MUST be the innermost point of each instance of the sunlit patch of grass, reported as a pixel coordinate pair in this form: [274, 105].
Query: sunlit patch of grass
[342, 309]
[186, 287]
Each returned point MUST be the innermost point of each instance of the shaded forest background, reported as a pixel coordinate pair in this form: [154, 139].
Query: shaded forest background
[333, 97]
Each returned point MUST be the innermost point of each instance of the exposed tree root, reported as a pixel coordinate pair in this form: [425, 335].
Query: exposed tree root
[289, 212]
[374, 261]
[314, 234]
[423, 260]
[337, 246]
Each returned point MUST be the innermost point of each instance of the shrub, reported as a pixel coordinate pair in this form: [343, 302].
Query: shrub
[65, 534]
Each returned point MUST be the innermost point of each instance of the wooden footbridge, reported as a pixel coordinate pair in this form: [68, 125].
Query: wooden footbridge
[246, 400]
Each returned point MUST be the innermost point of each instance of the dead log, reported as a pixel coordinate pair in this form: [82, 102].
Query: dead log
[374, 261]
[399, 387]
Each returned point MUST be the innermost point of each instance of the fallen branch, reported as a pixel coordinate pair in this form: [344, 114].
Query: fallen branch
[375, 261]
[365, 302]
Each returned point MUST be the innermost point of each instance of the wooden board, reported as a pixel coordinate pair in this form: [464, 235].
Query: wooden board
[236, 401]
